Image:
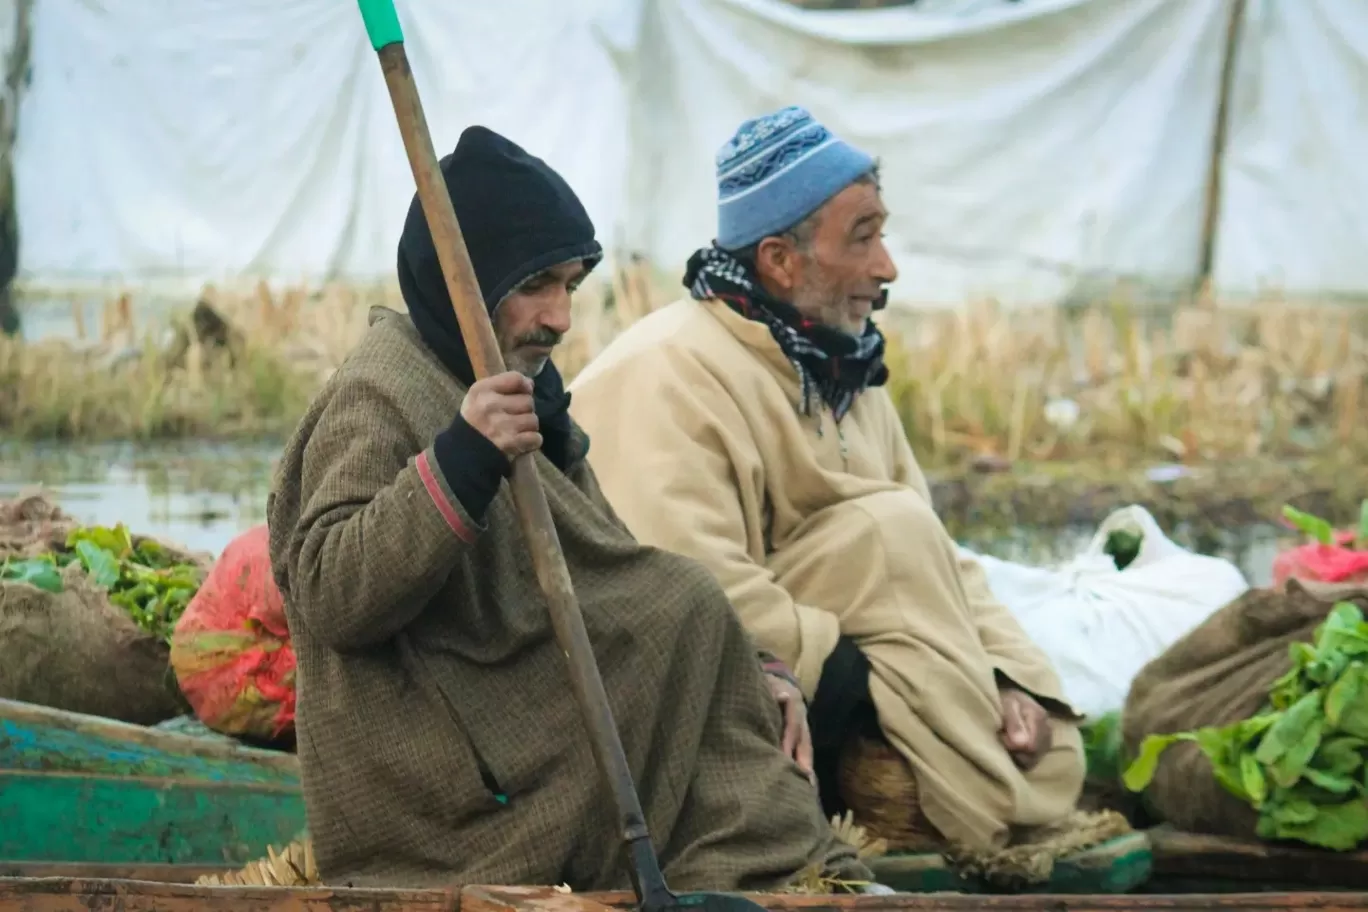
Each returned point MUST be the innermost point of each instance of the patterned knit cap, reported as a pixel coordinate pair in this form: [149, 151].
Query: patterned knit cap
[777, 170]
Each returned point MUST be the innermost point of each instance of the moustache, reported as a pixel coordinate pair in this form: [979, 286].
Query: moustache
[546, 338]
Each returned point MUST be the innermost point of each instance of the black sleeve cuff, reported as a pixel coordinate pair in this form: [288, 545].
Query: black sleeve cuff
[841, 709]
[844, 684]
[472, 465]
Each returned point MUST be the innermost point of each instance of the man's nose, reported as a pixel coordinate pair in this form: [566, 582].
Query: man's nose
[557, 316]
[884, 271]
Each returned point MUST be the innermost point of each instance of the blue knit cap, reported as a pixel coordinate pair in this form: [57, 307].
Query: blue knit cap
[777, 170]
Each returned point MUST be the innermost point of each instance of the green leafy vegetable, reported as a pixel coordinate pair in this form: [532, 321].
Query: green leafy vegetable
[1313, 527]
[1123, 546]
[41, 572]
[1332, 782]
[1341, 755]
[1344, 693]
[1301, 763]
[102, 565]
[1323, 532]
[1142, 769]
[1339, 827]
[116, 541]
[143, 579]
[1253, 781]
[1102, 747]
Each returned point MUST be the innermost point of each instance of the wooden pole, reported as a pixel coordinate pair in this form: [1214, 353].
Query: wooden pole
[1212, 207]
[534, 514]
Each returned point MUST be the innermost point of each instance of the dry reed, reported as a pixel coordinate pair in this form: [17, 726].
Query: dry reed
[292, 866]
[126, 382]
[1111, 383]
[1114, 384]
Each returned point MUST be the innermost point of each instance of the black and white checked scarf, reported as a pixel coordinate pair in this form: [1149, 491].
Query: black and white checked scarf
[830, 363]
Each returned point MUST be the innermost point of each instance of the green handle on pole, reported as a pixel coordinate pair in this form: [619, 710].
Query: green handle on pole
[382, 22]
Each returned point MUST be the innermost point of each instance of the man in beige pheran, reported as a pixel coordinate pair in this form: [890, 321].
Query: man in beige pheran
[747, 427]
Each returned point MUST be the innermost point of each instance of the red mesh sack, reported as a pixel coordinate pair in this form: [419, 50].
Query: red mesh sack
[1316, 562]
[231, 648]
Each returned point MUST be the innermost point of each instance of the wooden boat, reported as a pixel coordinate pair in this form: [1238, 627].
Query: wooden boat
[61, 895]
[1191, 863]
[111, 803]
[1191, 872]
[96, 798]
[79, 790]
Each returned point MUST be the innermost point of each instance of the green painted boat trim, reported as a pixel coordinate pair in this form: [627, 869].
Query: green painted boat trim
[39, 739]
[1118, 866]
[123, 820]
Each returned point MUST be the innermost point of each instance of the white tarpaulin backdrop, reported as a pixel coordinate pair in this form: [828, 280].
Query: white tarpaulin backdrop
[163, 137]
[1028, 148]
[1295, 212]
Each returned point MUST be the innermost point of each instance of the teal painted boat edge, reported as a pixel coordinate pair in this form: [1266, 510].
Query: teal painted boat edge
[40, 739]
[122, 820]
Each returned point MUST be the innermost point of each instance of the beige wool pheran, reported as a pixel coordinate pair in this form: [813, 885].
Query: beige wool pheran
[816, 530]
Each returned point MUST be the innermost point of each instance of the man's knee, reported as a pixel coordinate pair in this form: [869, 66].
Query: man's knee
[1069, 737]
[1066, 761]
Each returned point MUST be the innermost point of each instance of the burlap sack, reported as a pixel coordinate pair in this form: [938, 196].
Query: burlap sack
[1218, 674]
[30, 525]
[75, 650]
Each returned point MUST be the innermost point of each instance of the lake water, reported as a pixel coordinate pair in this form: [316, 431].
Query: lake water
[200, 495]
[194, 494]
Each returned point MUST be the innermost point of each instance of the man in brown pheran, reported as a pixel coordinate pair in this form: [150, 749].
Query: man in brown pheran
[439, 738]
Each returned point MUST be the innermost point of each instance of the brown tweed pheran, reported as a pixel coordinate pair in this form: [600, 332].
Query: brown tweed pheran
[429, 677]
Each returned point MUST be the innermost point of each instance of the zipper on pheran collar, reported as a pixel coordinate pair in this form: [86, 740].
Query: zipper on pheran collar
[822, 412]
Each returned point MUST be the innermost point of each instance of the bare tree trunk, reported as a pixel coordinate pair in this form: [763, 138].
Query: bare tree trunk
[15, 18]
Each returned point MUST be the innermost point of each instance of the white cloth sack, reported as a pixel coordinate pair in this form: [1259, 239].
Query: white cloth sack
[1099, 625]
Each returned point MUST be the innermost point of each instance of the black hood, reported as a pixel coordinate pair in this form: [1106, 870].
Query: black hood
[518, 217]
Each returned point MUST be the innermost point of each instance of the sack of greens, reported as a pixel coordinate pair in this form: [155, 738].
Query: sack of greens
[85, 622]
[1256, 723]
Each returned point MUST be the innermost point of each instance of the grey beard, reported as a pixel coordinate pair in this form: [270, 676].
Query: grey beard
[530, 371]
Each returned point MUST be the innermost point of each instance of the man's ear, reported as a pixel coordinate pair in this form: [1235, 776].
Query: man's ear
[777, 264]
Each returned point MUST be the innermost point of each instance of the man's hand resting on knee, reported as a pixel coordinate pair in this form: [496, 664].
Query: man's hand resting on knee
[1025, 727]
[797, 735]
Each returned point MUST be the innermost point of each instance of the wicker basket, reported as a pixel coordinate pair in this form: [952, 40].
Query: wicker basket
[878, 786]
